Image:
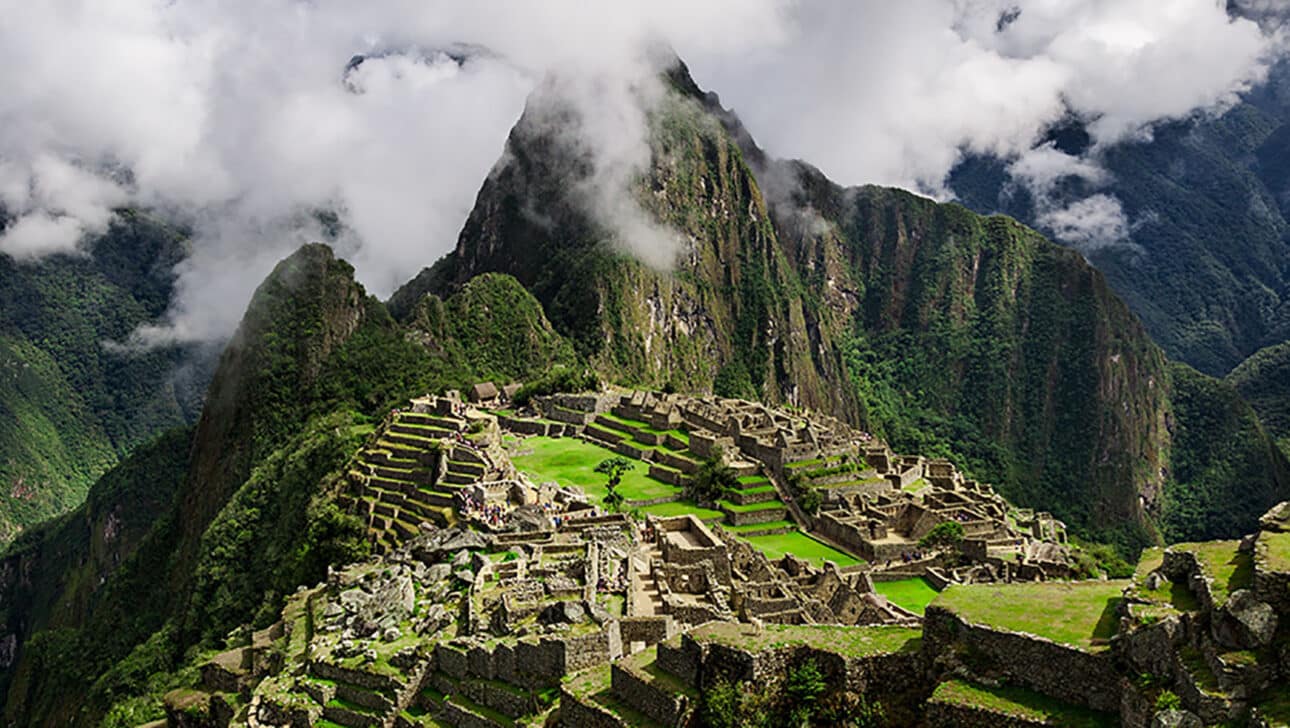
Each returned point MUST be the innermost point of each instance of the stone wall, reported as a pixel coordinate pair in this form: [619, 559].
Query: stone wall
[636, 690]
[1062, 672]
[649, 630]
[574, 712]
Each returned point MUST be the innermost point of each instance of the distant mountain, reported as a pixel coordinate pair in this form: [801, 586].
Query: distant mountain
[70, 407]
[1208, 199]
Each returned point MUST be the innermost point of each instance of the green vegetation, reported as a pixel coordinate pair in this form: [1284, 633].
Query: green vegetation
[572, 462]
[713, 481]
[1277, 547]
[847, 641]
[1170, 597]
[947, 535]
[614, 468]
[801, 545]
[70, 406]
[912, 594]
[280, 529]
[559, 379]
[1079, 614]
[1225, 472]
[1263, 380]
[1019, 703]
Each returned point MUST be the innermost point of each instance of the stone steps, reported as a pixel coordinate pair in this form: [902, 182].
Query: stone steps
[435, 433]
[757, 494]
[452, 478]
[459, 710]
[465, 468]
[421, 444]
[742, 516]
[352, 716]
[677, 461]
[602, 436]
[452, 424]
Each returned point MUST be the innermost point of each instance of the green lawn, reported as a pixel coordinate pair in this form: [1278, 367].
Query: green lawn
[1229, 569]
[1019, 703]
[681, 508]
[1278, 550]
[751, 507]
[912, 594]
[1080, 614]
[570, 461]
[758, 526]
[849, 641]
[802, 546]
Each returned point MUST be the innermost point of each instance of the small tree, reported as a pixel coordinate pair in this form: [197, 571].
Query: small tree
[614, 467]
[713, 480]
[947, 535]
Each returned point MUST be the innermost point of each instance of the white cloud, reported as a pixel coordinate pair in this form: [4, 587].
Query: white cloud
[241, 116]
[894, 93]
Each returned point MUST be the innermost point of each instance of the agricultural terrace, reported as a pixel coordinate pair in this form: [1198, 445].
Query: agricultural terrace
[1018, 704]
[912, 594]
[1079, 614]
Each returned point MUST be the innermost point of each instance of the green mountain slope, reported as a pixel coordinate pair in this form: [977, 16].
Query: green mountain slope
[946, 332]
[1208, 270]
[69, 405]
[1264, 381]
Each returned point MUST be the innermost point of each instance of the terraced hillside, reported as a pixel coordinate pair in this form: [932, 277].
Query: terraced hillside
[414, 468]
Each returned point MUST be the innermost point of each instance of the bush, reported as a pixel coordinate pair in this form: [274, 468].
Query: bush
[810, 501]
[559, 379]
[943, 535]
[712, 481]
[1168, 700]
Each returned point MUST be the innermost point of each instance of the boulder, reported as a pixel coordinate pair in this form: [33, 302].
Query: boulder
[599, 614]
[1244, 622]
[465, 540]
[1176, 719]
[563, 613]
[528, 519]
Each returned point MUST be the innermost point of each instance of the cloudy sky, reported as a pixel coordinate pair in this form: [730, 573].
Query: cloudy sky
[239, 118]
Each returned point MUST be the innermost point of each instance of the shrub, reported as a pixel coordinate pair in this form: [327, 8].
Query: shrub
[943, 535]
[1168, 700]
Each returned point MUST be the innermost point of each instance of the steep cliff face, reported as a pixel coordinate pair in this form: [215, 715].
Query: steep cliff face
[731, 311]
[977, 337]
[944, 331]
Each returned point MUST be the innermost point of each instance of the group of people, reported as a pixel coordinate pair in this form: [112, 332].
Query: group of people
[494, 514]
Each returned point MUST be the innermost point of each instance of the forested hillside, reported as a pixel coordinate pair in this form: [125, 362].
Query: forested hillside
[1206, 265]
[70, 404]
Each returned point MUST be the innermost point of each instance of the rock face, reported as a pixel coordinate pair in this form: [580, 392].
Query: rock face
[1244, 622]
